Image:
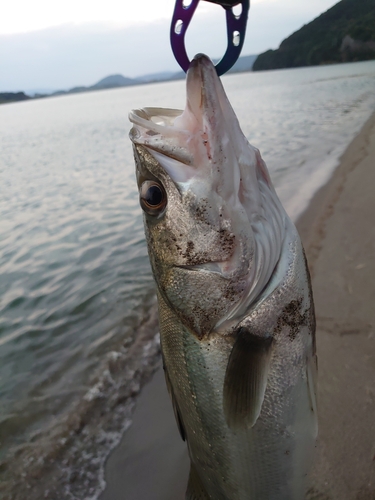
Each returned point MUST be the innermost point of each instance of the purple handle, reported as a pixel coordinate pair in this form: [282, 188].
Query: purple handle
[236, 29]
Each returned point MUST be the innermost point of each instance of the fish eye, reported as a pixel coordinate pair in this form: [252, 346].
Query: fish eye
[152, 197]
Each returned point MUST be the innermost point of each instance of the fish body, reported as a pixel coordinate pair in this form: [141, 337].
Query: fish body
[236, 313]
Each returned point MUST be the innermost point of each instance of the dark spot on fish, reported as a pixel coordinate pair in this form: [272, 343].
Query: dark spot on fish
[204, 319]
[201, 214]
[292, 317]
[227, 240]
[189, 253]
[230, 294]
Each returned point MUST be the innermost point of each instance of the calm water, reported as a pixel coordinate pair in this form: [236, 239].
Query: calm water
[75, 283]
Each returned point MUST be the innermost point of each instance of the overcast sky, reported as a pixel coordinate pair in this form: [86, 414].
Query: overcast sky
[58, 44]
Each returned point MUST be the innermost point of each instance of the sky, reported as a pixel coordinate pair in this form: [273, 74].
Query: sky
[49, 45]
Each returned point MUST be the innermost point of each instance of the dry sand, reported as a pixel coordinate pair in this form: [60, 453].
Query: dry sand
[338, 231]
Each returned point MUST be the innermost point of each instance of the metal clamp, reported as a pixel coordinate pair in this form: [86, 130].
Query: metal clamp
[236, 29]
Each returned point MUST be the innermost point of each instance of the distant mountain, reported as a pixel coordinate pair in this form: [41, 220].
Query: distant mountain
[113, 81]
[39, 91]
[13, 97]
[346, 32]
[109, 82]
[244, 63]
[156, 77]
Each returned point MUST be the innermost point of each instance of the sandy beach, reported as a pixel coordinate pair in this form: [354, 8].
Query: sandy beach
[338, 233]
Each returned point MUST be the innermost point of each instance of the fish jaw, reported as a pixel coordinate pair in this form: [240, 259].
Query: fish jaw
[222, 230]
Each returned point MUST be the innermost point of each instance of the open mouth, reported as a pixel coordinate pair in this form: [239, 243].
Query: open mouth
[191, 136]
[154, 128]
[154, 120]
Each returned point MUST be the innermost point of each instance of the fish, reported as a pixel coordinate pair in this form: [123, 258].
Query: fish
[236, 312]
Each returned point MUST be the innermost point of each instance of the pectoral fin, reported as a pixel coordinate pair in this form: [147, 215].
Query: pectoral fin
[176, 409]
[246, 379]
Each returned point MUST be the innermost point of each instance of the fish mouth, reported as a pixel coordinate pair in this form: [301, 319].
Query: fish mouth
[154, 128]
[149, 122]
[187, 143]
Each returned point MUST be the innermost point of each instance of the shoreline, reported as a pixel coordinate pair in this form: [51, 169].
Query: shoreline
[339, 238]
[310, 223]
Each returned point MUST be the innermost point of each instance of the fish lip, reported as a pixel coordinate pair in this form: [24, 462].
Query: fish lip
[201, 82]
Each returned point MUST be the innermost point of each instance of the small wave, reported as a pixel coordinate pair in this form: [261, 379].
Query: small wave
[66, 461]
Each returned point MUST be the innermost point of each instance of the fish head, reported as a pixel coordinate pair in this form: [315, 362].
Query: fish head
[211, 214]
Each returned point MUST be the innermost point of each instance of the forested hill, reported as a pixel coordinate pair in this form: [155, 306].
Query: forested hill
[344, 33]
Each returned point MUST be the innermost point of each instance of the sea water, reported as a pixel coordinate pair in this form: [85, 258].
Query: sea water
[77, 324]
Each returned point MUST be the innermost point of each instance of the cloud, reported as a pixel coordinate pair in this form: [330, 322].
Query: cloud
[41, 14]
[71, 54]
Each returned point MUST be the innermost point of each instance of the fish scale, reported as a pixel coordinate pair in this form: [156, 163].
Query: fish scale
[235, 304]
[263, 459]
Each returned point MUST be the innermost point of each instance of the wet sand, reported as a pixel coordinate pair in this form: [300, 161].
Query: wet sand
[338, 232]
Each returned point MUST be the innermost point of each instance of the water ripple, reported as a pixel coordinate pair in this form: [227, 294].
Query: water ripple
[75, 277]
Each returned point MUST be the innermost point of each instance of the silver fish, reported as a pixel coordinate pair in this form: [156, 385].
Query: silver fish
[236, 313]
